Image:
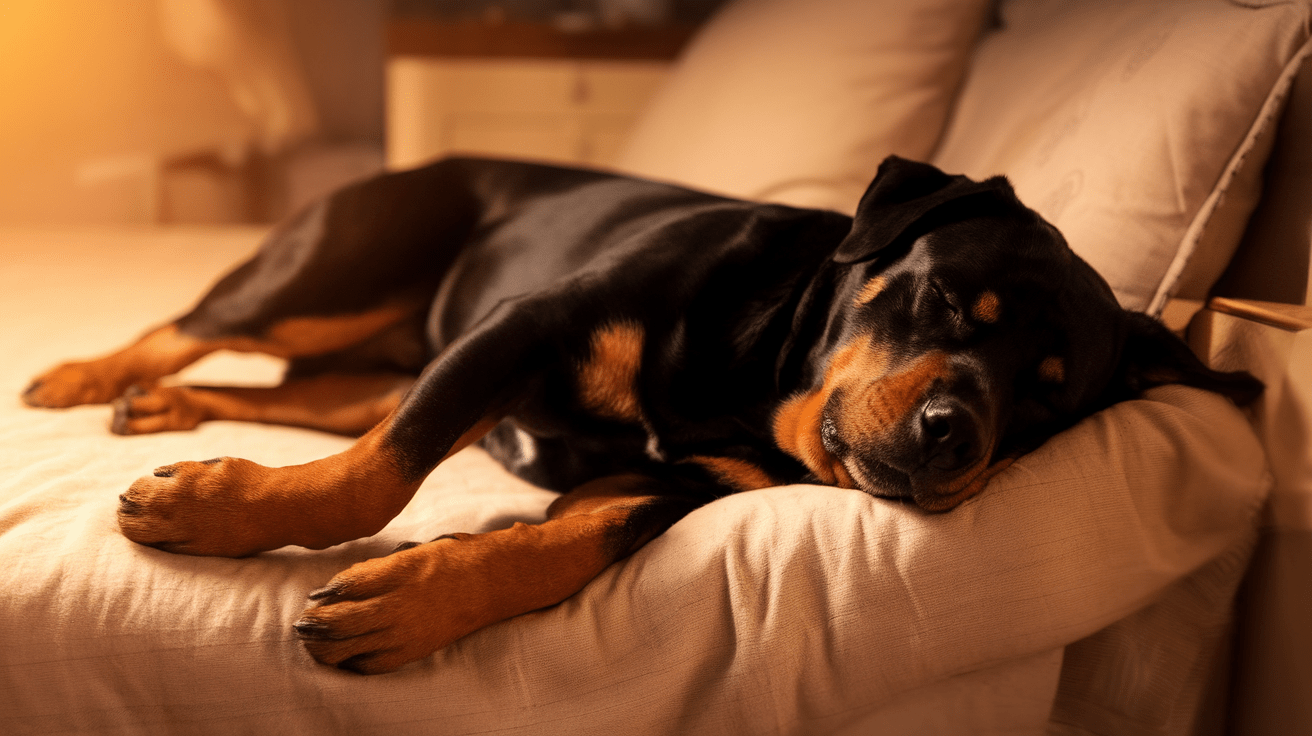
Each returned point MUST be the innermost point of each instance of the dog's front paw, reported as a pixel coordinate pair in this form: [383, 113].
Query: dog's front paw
[200, 508]
[74, 384]
[385, 613]
[156, 409]
[380, 614]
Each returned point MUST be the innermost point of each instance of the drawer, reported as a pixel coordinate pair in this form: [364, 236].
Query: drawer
[559, 110]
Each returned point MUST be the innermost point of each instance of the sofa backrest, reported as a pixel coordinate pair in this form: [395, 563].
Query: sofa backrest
[798, 101]
[1139, 127]
[1274, 259]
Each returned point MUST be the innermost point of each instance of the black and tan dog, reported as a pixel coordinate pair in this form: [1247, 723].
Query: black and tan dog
[641, 347]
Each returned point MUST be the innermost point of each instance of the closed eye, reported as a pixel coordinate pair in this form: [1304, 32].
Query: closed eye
[936, 298]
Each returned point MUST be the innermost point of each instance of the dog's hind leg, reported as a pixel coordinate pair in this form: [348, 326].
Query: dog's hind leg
[349, 404]
[382, 613]
[346, 392]
[169, 349]
[159, 353]
[340, 272]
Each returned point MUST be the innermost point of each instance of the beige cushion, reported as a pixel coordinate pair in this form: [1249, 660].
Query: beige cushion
[1139, 128]
[798, 102]
[786, 610]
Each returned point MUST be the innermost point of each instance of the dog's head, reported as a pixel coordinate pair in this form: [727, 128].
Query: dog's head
[963, 332]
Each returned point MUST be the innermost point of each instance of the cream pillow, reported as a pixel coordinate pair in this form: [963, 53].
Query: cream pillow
[1139, 128]
[798, 101]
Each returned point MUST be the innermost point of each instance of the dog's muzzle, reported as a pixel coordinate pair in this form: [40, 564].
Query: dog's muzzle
[923, 457]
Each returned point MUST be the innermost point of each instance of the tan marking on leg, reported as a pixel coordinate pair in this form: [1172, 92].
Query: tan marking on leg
[1052, 369]
[305, 336]
[607, 382]
[871, 290]
[988, 308]
[167, 350]
[380, 614]
[474, 434]
[599, 494]
[159, 353]
[739, 475]
[342, 403]
[234, 508]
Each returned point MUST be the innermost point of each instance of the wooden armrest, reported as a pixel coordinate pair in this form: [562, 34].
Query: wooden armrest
[1291, 317]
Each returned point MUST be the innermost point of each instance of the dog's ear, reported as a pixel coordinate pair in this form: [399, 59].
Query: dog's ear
[901, 194]
[1153, 356]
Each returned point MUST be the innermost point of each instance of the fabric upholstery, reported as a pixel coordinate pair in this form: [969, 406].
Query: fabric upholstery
[798, 102]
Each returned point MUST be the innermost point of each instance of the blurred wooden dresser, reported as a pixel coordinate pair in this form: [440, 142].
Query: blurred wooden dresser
[519, 90]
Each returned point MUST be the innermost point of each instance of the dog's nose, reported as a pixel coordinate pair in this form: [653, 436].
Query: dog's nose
[949, 435]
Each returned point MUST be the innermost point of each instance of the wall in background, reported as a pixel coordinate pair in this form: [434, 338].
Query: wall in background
[89, 95]
[102, 120]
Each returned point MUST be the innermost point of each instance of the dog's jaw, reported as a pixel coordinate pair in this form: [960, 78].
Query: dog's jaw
[797, 424]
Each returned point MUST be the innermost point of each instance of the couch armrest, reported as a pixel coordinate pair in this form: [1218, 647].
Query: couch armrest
[1291, 317]
[1273, 342]
[1272, 674]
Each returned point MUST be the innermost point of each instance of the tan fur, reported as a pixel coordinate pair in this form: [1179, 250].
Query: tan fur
[303, 336]
[988, 308]
[159, 353]
[883, 403]
[871, 290]
[473, 434]
[873, 404]
[739, 475]
[607, 382]
[416, 601]
[797, 432]
[345, 404]
[1052, 369]
[167, 350]
[797, 421]
[234, 507]
[966, 485]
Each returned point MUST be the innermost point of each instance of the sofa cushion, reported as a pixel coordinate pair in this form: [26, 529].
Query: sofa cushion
[1139, 128]
[800, 107]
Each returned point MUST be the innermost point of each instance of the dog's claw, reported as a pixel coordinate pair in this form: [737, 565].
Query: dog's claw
[325, 592]
[310, 629]
[127, 505]
[122, 413]
[122, 407]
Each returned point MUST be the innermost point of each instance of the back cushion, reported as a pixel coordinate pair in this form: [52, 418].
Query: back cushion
[798, 101]
[1139, 128]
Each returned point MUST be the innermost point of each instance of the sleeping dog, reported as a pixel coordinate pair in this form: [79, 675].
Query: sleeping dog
[640, 347]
